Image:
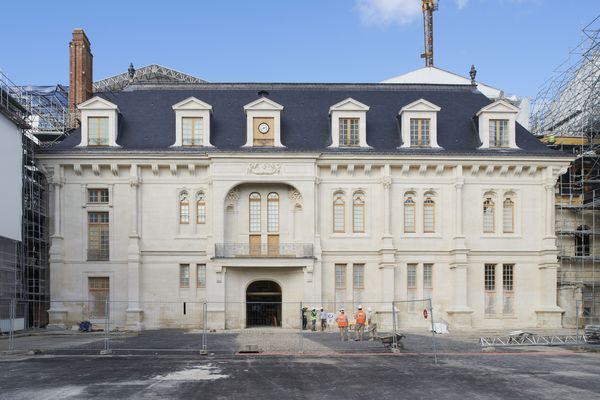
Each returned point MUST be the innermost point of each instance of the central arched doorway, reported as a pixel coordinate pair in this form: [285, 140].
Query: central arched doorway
[263, 304]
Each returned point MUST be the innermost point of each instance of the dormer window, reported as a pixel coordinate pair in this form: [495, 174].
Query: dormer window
[192, 123]
[263, 123]
[97, 131]
[192, 131]
[99, 122]
[419, 124]
[498, 133]
[349, 132]
[497, 125]
[349, 124]
[419, 132]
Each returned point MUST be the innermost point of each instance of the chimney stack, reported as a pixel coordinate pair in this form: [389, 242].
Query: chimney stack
[80, 73]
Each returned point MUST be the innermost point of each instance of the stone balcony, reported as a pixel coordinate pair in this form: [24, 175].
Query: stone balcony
[281, 250]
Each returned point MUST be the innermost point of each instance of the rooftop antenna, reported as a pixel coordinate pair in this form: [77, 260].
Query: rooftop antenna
[428, 6]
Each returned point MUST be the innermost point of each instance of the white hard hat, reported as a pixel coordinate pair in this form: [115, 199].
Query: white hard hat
[360, 307]
[341, 309]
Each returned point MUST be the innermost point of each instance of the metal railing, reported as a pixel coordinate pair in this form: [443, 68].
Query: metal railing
[291, 250]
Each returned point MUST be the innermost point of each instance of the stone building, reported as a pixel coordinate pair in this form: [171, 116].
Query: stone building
[333, 194]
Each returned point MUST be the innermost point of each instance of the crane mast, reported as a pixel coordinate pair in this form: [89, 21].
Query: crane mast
[428, 6]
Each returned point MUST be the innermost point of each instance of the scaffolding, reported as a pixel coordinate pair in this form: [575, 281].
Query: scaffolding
[566, 116]
[34, 112]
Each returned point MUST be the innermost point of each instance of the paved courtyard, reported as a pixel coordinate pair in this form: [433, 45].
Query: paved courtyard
[166, 364]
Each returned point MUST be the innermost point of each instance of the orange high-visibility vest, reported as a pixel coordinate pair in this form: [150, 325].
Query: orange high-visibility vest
[342, 320]
[361, 317]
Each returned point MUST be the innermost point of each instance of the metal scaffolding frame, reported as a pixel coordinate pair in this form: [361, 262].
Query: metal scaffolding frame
[150, 74]
[566, 116]
[33, 112]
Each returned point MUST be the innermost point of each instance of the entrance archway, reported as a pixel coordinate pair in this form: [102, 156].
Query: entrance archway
[263, 304]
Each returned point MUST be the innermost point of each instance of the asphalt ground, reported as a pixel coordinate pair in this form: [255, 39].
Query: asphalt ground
[71, 368]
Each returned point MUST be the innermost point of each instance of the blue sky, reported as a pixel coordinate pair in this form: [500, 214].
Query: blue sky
[514, 44]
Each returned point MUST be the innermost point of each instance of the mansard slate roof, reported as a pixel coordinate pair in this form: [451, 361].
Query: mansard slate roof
[147, 120]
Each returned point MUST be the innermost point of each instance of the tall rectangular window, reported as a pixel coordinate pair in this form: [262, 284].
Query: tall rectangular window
[490, 289]
[98, 236]
[488, 216]
[419, 132]
[339, 211]
[358, 283]
[254, 212]
[184, 275]
[358, 212]
[427, 281]
[429, 215]
[200, 208]
[201, 272]
[97, 131]
[508, 216]
[507, 289]
[498, 133]
[192, 129]
[98, 291]
[409, 214]
[349, 132]
[98, 196]
[411, 285]
[273, 212]
[340, 285]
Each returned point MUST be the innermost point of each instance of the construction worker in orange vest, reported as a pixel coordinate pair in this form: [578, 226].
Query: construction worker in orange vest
[342, 321]
[361, 318]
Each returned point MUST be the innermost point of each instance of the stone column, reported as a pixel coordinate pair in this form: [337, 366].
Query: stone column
[134, 311]
[386, 182]
[459, 312]
[549, 315]
[57, 314]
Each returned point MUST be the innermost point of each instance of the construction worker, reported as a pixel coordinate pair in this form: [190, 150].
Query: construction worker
[323, 318]
[361, 318]
[313, 319]
[371, 324]
[304, 319]
[342, 321]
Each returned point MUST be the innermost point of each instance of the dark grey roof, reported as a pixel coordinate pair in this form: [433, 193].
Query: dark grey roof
[147, 121]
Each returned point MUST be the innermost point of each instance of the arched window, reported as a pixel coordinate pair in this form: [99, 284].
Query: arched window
[200, 208]
[339, 207]
[582, 241]
[184, 208]
[254, 212]
[428, 213]
[488, 215]
[358, 212]
[409, 213]
[273, 212]
[508, 216]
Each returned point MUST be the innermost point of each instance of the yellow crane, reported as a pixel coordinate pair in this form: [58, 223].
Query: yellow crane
[428, 6]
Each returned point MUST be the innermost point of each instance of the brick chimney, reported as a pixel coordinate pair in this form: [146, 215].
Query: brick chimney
[80, 73]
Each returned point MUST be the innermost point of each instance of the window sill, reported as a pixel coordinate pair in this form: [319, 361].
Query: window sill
[340, 235]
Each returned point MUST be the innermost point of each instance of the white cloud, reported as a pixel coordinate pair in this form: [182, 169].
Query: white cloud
[375, 12]
[461, 3]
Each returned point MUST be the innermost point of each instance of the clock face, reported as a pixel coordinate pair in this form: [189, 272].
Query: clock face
[263, 128]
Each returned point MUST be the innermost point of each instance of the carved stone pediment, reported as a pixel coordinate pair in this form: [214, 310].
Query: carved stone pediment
[264, 169]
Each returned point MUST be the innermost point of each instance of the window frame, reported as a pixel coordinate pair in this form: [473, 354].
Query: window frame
[200, 208]
[254, 213]
[409, 204]
[499, 141]
[98, 136]
[96, 250]
[489, 202]
[201, 273]
[194, 141]
[350, 128]
[339, 200]
[511, 204]
[273, 213]
[184, 279]
[490, 290]
[358, 204]
[102, 196]
[184, 208]
[93, 290]
[420, 123]
[429, 206]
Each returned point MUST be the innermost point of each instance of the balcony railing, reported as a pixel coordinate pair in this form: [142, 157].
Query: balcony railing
[289, 250]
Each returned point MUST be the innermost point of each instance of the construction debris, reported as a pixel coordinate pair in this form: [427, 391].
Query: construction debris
[592, 334]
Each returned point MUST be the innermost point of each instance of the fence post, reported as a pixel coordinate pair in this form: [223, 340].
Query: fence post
[577, 320]
[11, 328]
[432, 331]
[204, 351]
[107, 349]
[394, 327]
